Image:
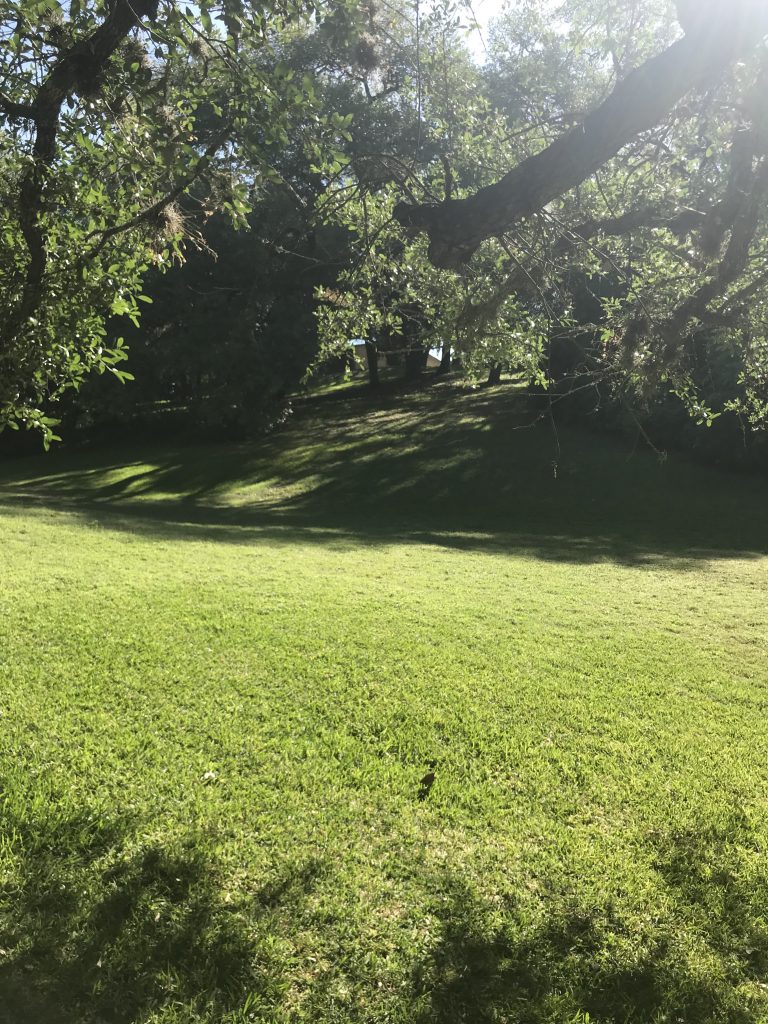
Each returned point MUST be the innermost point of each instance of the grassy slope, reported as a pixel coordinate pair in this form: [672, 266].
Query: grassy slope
[225, 672]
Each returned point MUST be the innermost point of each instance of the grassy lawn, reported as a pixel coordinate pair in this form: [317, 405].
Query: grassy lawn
[225, 672]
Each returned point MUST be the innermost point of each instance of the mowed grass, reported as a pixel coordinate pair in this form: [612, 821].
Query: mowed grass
[226, 671]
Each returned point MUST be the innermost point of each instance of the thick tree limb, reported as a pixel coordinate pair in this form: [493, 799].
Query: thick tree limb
[713, 221]
[637, 103]
[681, 223]
[738, 302]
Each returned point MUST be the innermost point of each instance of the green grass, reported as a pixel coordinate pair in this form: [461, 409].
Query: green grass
[225, 671]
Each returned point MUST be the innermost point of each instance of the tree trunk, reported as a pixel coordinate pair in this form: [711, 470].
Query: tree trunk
[494, 374]
[415, 362]
[42, 117]
[445, 358]
[372, 359]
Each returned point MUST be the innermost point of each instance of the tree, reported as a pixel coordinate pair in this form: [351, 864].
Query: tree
[232, 331]
[110, 114]
[716, 34]
[227, 336]
[659, 192]
[445, 138]
[638, 154]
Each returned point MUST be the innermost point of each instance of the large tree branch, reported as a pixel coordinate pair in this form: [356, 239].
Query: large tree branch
[680, 223]
[637, 103]
[713, 221]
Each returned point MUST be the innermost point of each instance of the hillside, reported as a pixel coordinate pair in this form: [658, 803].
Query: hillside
[436, 466]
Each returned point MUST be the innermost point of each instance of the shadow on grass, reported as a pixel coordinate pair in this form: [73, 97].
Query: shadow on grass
[102, 930]
[96, 930]
[702, 956]
[454, 472]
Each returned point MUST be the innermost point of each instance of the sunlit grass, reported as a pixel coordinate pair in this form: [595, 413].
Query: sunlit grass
[225, 672]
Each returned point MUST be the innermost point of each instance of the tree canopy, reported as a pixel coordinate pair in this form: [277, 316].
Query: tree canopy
[601, 150]
[111, 113]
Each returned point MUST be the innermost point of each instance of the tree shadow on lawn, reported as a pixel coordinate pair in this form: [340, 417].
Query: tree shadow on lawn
[100, 930]
[702, 961]
[467, 477]
[105, 930]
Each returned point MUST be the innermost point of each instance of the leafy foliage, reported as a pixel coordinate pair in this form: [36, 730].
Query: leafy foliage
[115, 165]
[669, 235]
[113, 119]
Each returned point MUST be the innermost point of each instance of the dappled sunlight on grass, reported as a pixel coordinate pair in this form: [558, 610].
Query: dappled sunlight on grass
[426, 466]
